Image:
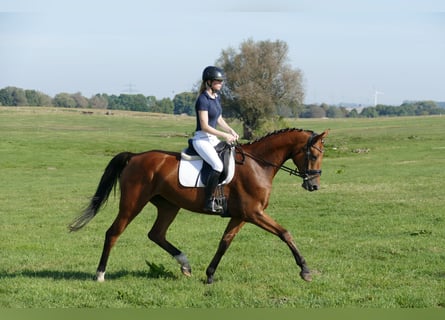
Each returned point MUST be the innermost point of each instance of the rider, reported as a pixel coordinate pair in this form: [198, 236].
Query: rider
[208, 116]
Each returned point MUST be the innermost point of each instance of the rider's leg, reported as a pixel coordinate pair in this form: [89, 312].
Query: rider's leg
[204, 144]
[210, 205]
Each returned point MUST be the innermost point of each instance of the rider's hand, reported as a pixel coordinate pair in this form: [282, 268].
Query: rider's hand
[233, 133]
[230, 138]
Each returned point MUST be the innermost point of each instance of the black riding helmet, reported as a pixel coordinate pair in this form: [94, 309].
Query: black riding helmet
[212, 73]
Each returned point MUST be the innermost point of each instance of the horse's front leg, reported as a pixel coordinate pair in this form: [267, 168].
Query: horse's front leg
[267, 223]
[232, 229]
[305, 273]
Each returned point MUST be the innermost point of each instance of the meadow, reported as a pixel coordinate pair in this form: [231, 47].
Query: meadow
[374, 234]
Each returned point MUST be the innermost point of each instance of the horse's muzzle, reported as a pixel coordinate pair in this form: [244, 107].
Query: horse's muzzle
[309, 186]
[311, 183]
[311, 180]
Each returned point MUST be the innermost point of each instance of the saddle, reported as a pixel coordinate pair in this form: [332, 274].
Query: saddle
[194, 171]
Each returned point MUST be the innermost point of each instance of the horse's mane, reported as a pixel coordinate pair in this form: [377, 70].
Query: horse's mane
[267, 135]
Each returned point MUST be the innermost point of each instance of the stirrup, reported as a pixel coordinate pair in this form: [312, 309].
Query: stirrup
[221, 201]
[212, 206]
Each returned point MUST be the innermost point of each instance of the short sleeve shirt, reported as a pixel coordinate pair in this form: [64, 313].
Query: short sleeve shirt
[212, 106]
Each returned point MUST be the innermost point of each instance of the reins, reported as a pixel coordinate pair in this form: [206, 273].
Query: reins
[306, 175]
[292, 172]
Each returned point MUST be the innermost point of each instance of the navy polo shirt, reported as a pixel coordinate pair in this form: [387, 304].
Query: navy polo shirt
[212, 106]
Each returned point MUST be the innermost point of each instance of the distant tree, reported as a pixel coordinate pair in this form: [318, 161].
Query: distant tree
[325, 106]
[151, 102]
[313, 111]
[259, 81]
[426, 108]
[407, 109]
[36, 98]
[64, 100]
[353, 114]
[136, 102]
[133, 102]
[81, 101]
[32, 97]
[164, 106]
[126, 101]
[13, 96]
[317, 112]
[334, 112]
[369, 112]
[5, 97]
[386, 110]
[184, 103]
[114, 102]
[99, 101]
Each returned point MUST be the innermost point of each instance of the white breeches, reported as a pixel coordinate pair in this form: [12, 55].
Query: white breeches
[204, 143]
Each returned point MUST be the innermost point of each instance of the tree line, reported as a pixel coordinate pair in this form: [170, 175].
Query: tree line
[261, 86]
[184, 103]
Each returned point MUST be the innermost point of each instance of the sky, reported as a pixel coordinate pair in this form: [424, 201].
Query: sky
[348, 51]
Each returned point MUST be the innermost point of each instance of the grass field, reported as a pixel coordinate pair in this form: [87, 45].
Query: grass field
[374, 234]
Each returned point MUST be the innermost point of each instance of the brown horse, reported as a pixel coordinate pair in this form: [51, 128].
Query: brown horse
[152, 176]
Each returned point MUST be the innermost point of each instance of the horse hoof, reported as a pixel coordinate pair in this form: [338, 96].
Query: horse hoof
[209, 280]
[306, 276]
[187, 271]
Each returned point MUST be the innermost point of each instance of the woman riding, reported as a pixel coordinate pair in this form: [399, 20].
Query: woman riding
[208, 116]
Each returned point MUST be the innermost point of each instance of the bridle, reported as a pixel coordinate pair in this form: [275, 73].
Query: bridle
[309, 174]
[306, 175]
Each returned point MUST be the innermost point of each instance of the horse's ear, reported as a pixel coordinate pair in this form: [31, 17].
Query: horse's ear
[325, 133]
[321, 136]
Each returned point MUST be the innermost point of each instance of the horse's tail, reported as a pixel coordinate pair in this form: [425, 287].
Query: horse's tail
[107, 183]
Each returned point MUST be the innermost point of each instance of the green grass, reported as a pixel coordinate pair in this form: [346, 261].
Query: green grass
[374, 234]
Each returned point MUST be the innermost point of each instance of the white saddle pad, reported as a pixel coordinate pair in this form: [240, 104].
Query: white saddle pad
[190, 168]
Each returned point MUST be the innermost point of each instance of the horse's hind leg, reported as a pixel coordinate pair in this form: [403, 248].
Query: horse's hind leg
[123, 219]
[166, 214]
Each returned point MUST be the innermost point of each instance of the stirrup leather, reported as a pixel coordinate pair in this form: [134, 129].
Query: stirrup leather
[220, 200]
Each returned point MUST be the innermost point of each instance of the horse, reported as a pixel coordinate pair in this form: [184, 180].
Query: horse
[152, 176]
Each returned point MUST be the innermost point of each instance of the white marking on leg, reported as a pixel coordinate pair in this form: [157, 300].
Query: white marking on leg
[100, 276]
[182, 259]
[185, 266]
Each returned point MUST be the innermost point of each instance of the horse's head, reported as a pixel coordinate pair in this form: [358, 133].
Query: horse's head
[309, 161]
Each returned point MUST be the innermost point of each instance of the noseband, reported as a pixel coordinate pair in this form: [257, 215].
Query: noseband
[306, 175]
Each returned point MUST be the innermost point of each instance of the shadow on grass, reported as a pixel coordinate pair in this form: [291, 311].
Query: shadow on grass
[155, 272]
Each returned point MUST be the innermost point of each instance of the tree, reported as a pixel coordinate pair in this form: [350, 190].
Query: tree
[334, 112]
[259, 82]
[426, 108]
[36, 98]
[64, 100]
[99, 101]
[151, 103]
[136, 102]
[185, 103]
[12, 96]
[369, 112]
[353, 113]
[163, 106]
[81, 101]
[133, 102]
[313, 111]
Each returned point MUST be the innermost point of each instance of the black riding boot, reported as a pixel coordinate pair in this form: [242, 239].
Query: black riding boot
[210, 205]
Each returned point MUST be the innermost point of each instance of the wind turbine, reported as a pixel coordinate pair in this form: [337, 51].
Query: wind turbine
[376, 93]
